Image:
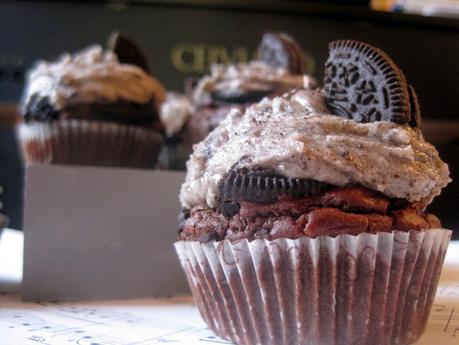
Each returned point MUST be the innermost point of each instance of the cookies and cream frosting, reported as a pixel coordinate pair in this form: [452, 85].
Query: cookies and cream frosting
[88, 76]
[174, 112]
[297, 137]
[246, 77]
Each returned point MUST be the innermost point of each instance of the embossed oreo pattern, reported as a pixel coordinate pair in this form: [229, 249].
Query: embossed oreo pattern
[262, 186]
[362, 83]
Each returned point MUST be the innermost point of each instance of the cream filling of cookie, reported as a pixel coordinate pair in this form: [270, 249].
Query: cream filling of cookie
[297, 137]
[88, 76]
[246, 77]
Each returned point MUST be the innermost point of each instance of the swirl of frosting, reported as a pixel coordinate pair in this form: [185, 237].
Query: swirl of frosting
[246, 77]
[297, 137]
[91, 75]
[174, 112]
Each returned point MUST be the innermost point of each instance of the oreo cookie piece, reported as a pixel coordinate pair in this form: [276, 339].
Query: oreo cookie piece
[278, 49]
[362, 83]
[240, 97]
[39, 108]
[415, 108]
[127, 51]
[263, 186]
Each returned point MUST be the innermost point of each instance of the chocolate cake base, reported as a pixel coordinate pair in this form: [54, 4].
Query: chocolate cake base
[123, 112]
[345, 290]
[340, 210]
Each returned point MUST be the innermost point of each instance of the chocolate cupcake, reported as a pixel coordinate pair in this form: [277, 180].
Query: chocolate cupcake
[92, 108]
[304, 216]
[280, 67]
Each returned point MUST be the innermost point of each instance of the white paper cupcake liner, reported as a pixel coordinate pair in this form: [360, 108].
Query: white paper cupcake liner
[366, 289]
[89, 143]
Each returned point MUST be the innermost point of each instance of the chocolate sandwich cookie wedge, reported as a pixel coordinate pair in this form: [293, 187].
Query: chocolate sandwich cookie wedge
[362, 83]
[261, 185]
[415, 108]
[127, 51]
[278, 49]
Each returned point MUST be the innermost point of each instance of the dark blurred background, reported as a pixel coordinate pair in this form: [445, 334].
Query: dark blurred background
[183, 38]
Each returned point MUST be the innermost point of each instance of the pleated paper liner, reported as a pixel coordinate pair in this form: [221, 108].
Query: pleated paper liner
[89, 143]
[374, 289]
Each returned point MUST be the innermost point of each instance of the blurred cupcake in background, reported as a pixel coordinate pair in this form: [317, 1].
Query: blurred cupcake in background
[188, 118]
[281, 66]
[94, 107]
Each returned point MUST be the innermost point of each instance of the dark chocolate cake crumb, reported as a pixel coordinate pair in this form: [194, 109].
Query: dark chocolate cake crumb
[345, 210]
[40, 109]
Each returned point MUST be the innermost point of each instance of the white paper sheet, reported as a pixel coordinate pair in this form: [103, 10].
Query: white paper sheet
[140, 322]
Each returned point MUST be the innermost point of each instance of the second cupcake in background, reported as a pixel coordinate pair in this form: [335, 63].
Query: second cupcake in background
[95, 107]
[280, 67]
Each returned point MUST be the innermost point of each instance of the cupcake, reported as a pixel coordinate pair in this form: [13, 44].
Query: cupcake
[93, 108]
[280, 66]
[304, 216]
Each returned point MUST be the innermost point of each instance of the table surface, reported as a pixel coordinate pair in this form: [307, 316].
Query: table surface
[154, 321]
